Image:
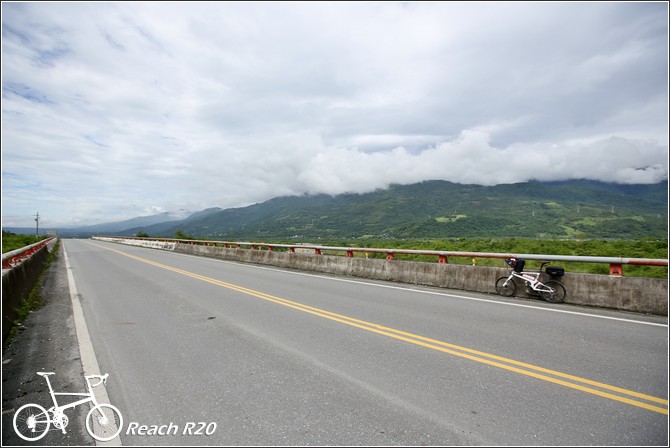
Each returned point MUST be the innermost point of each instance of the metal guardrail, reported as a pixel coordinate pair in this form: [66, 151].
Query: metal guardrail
[616, 263]
[14, 257]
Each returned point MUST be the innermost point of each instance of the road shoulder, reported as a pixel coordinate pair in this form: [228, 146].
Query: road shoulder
[46, 341]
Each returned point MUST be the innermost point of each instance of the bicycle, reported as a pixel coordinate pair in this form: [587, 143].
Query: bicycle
[551, 290]
[103, 422]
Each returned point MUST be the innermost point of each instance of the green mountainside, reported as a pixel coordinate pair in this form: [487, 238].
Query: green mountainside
[440, 209]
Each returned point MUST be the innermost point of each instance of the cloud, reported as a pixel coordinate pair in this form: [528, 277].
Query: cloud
[113, 110]
[470, 158]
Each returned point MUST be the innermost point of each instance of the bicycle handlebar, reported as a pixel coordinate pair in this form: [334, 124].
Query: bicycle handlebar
[102, 379]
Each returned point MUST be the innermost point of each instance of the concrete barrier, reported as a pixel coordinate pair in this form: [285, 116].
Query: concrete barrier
[17, 283]
[636, 294]
[154, 244]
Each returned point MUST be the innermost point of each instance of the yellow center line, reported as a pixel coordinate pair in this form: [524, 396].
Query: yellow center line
[445, 347]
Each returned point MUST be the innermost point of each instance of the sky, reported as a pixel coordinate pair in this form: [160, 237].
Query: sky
[113, 110]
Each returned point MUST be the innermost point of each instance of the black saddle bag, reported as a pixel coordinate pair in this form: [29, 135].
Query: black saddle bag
[555, 271]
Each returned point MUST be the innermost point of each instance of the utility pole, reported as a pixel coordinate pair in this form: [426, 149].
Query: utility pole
[37, 224]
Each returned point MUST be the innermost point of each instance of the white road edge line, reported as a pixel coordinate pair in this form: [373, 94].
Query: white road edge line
[89, 361]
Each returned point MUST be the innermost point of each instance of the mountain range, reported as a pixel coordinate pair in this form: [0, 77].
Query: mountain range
[430, 209]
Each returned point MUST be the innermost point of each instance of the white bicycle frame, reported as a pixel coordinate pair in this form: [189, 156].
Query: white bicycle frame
[58, 410]
[532, 279]
[103, 421]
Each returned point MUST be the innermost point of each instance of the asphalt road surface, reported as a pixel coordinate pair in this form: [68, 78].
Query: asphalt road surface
[210, 352]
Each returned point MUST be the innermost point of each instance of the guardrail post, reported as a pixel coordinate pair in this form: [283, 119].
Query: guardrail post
[443, 259]
[389, 256]
[616, 269]
[317, 251]
[350, 253]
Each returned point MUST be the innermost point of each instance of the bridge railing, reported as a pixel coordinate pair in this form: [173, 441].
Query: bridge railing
[615, 263]
[15, 257]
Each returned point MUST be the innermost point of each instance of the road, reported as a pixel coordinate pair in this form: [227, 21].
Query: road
[264, 356]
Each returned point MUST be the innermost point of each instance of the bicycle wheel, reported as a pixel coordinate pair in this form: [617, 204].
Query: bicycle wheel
[505, 290]
[104, 422]
[557, 296]
[31, 422]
